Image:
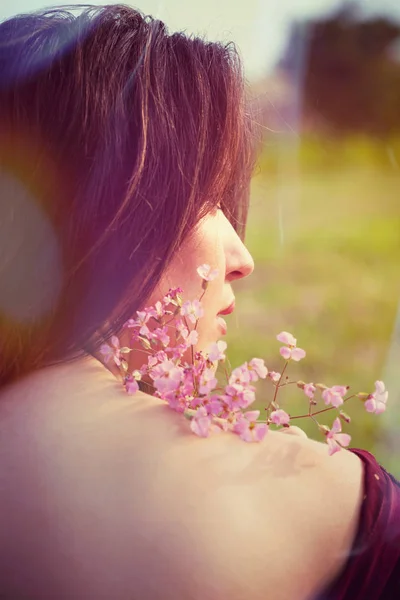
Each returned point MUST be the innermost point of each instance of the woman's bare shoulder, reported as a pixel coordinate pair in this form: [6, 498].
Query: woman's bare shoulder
[235, 516]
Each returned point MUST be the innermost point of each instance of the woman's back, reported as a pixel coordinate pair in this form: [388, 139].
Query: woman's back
[109, 496]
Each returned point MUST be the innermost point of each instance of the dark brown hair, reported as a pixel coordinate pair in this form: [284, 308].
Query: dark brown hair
[115, 139]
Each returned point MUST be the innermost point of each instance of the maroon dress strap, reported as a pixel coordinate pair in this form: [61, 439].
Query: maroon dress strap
[373, 569]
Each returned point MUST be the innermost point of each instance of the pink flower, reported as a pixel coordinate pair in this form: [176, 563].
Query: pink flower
[107, 352]
[175, 400]
[142, 318]
[257, 369]
[248, 429]
[177, 352]
[286, 338]
[279, 417]
[161, 356]
[173, 296]
[167, 377]
[192, 310]
[181, 328]
[213, 405]
[335, 439]
[157, 311]
[292, 353]
[131, 386]
[192, 338]
[207, 381]
[376, 403]
[206, 273]
[309, 390]
[160, 334]
[112, 352]
[201, 423]
[334, 395]
[241, 375]
[274, 376]
[238, 396]
[216, 351]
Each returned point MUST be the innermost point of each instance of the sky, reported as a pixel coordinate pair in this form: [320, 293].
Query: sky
[258, 27]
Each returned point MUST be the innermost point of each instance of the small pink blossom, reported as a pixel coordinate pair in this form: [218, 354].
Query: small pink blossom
[309, 390]
[216, 351]
[279, 417]
[131, 386]
[248, 429]
[175, 400]
[161, 356]
[173, 297]
[181, 329]
[334, 395]
[192, 310]
[192, 339]
[286, 338]
[157, 311]
[160, 334]
[241, 375]
[335, 439]
[107, 352]
[213, 404]
[239, 396]
[207, 381]
[207, 273]
[112, 352]
[177, 352]
[143, 317]
[274, 376]
[290, 352]
[257, 367]
[295, 354]
[201, 424]
[167, 376]
[376, 403]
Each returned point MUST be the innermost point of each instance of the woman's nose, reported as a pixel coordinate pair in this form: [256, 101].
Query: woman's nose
[239, 262]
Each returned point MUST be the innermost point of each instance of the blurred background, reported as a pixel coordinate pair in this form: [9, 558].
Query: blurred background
[324, 225]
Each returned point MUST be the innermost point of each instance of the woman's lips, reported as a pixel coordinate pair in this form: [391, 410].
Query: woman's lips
[228, 310]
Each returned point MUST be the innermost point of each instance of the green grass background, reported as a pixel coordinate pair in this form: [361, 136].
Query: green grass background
[324, 231]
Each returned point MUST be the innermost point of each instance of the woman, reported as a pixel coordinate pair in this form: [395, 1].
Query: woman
[126, 156]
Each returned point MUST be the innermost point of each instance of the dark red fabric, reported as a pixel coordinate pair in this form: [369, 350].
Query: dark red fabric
[373, 569]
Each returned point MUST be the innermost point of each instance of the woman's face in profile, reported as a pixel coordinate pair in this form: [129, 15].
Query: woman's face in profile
[216, 243]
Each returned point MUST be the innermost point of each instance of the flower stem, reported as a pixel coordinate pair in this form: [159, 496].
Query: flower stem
[318, 412]
[278, 385]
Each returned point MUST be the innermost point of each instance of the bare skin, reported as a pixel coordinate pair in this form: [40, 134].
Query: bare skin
[105, 496]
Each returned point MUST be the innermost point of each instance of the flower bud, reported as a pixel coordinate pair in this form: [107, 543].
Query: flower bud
[363, 396]
[125, 350]
[321, 386]
[344, 416]
[145, 343]
[323, 428]
[204, 284]
[301, 384]
[313, 402]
